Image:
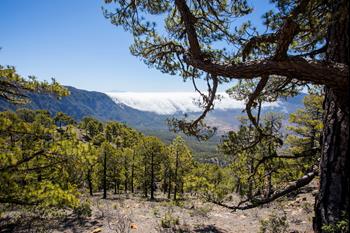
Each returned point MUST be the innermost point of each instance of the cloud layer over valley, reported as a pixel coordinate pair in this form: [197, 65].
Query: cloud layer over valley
[166, 103]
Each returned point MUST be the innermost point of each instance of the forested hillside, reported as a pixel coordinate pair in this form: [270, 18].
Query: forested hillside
[81, 103]
[51, 164]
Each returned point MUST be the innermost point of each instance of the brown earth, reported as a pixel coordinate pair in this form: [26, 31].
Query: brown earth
[132, 213]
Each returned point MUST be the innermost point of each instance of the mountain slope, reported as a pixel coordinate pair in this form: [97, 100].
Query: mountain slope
[81, 103]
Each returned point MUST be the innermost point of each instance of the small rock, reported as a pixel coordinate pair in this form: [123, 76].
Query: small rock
[133, 226]
[97, 230]
[294, 213]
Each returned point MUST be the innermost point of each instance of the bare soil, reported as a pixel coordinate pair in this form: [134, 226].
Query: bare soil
[135, 214]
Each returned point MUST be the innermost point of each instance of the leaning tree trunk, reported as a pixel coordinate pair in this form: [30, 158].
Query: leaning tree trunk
[333, 199]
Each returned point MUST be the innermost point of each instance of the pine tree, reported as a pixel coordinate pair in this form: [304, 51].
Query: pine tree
[182, 162]
[304, 42]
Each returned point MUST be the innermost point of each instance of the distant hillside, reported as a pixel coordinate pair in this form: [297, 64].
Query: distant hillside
[81, 103]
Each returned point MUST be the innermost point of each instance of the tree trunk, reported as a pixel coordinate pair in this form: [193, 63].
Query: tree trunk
[182, 188]
[90, 183]
[145, 178]
[333, 198]
[126, 184]
[238, 188]
[269, 185]
[176, 180]
[165, 186]
[126, 174]
[250, 182]
[104, 175]
[169, 186]
[152, 176]
[132, 172]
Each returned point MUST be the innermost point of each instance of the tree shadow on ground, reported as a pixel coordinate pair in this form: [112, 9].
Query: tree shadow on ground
[209, 229]
[75, 224]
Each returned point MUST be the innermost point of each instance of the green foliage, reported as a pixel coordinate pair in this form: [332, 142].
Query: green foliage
[260, 165]
[46, 166]
[47, 161]
[210, 181]
[83, 210]
[14, 88]
[202, 211]
[180, 164]
[153, 152]
[306, 130]
[274, 224]
[36, 161]
[254, 163]
[202, 40]
[61, 119]
[341, 226]
[169, 221]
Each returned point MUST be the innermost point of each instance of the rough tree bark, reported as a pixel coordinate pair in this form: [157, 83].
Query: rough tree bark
[152, 176]
[126, 174]
[333, 198]
[132, 171]
[169, 186]
[175, 175]
[90, 183]
[104, 175]
[145, 185]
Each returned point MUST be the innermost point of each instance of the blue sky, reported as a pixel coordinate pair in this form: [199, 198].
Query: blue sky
[71, 41]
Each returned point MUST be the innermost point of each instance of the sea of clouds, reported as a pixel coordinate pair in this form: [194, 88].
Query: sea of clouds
[166, 103]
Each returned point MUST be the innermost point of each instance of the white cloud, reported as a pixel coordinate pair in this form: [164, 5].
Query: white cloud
[165, 103]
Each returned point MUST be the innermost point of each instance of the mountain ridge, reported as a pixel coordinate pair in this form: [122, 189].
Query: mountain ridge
[106, 107]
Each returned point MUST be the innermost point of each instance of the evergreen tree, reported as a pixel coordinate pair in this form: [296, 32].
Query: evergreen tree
[153, 151]
[182, 161]
[304, 42]
[14, 88]
[36, 161]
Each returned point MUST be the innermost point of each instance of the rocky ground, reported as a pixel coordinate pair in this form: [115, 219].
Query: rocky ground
[132, 213]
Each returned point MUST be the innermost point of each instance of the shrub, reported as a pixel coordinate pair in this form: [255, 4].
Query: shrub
[83, 210]
[274, 224]
[169, 221]
[202, 211]
[342, 226]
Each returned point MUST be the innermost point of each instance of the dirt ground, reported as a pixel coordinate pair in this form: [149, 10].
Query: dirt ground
[134, 214]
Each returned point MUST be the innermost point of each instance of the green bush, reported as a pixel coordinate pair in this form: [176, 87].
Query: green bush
[342, 226]
[169, 221]
[274, 224]
[202, 211]
[83, 210]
